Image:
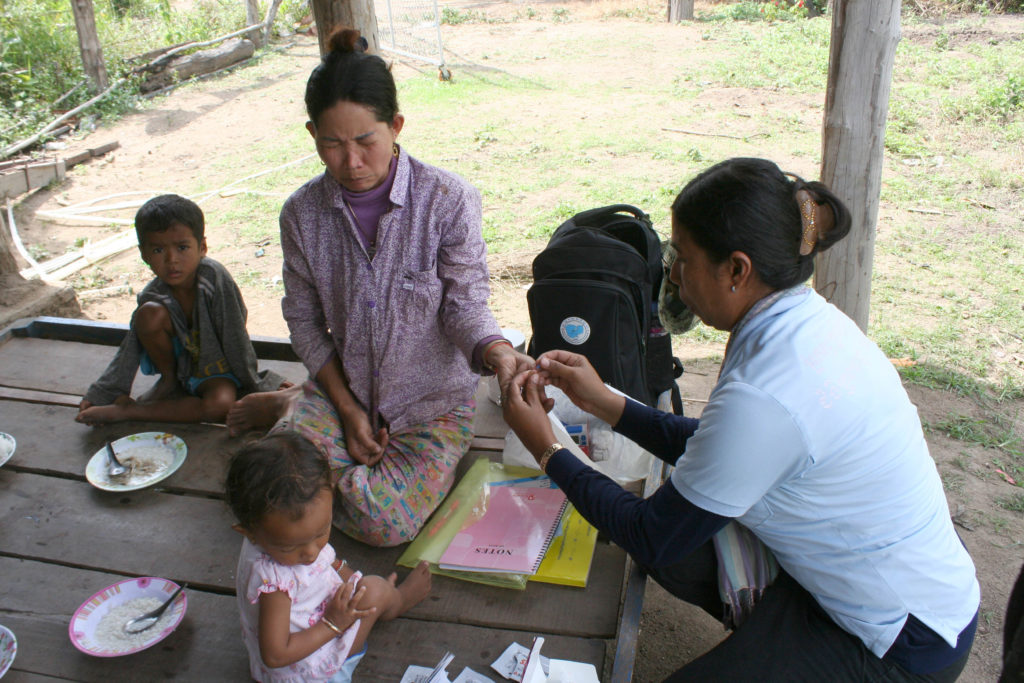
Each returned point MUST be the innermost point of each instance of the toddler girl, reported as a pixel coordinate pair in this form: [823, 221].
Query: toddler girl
[305, 615]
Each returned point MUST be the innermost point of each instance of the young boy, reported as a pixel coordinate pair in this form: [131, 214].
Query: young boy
[189, 328]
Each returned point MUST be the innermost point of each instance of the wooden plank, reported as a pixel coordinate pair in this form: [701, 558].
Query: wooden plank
[394, 645]
[138, 533]
[50, 365]
[33, 396]
[51, 442]
[70, 367]
[16, 676]
[39, 599]
[18, 179]
[42, 517]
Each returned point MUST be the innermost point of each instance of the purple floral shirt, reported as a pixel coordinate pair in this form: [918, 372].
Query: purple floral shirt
[405, 323]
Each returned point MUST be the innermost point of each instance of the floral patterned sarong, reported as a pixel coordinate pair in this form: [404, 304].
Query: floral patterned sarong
[386, 504]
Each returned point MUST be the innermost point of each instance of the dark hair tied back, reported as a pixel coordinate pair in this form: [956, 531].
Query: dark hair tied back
[347, 73]
[347, 40]
[750, 205]
[818, 210]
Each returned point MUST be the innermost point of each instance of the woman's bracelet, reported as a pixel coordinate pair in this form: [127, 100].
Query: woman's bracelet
[546, 455]
[491, 345]
[328, 624]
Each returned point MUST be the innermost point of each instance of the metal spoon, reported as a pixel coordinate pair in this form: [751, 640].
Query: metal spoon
[114, 466]
[141, 623]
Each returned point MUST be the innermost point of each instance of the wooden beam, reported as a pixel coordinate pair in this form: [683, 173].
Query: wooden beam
[358, 14]
[17, 179]
[863, 48]
[680, 10]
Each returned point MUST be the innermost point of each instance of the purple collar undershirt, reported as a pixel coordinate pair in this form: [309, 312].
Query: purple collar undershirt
[369, 206]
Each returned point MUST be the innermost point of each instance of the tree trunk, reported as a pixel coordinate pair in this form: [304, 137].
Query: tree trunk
[268, 21]
[182, 68]
[864, 38]
[252, 16]
[680, 10]
[358, 14]
[89, 44]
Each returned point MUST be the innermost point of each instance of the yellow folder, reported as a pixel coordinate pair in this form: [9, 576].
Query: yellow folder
[567, 561]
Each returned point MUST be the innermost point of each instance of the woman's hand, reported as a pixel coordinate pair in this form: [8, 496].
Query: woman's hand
[342, 610]
[574, 375]
[525, 408]
[363, 445]
[507, 363]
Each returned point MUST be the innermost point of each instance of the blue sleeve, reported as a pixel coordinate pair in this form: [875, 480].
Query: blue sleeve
[656, 531]
[662, 434]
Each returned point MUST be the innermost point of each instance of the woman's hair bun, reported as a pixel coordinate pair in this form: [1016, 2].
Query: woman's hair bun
[345, 40]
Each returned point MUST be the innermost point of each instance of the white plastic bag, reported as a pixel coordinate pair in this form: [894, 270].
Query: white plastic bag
[612, 454]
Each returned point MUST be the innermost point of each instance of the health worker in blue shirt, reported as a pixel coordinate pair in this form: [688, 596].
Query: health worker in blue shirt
[803, 507]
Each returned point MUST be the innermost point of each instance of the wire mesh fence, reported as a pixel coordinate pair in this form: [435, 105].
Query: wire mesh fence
[411, 28]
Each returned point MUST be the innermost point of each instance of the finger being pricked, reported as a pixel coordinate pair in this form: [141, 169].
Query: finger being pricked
[567, 358]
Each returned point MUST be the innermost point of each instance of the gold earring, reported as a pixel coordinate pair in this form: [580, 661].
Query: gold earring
[394, 149]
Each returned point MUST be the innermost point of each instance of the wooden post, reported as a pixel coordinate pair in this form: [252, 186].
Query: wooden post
[680, 10]
[252, 16]
[864, 38]
[358, 14]
[89, 44]
[8, 265]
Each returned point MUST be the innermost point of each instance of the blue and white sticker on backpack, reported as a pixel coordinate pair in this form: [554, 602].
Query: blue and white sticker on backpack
[575, 330]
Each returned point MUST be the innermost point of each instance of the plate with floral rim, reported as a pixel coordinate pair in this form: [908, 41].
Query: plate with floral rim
[91, 635]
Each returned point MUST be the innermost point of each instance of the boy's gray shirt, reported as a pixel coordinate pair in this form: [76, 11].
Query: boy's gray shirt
[219, 316]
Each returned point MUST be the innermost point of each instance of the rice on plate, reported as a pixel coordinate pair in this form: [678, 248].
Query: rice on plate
[96, 627]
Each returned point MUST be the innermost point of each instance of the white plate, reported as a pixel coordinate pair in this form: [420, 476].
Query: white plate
[8, 649]
[172, 450]
[7, 444]
[86, 619]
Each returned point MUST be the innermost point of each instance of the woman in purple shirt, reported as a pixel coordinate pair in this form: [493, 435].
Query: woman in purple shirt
[386, 290]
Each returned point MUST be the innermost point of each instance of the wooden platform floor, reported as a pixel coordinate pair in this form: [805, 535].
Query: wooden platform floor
[61, 540]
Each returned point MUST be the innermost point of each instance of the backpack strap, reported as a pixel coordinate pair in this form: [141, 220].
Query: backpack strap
[584, 217]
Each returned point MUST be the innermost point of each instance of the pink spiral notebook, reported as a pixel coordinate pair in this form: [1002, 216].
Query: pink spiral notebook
[513, 534]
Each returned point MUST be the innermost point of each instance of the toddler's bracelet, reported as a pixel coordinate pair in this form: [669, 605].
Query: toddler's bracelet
[546, 455]
[328, 624]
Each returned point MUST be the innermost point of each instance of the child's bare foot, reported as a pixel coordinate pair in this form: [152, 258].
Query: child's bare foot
[164, 388]
[260, 410]
[413, 588]
[97, 415]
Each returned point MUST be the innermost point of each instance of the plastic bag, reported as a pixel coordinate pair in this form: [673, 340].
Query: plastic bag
[465, 501]
[610, 453]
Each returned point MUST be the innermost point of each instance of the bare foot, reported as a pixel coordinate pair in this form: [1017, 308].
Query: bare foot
[97, 415]
[260, 410]
[164, 388]
[412, 590]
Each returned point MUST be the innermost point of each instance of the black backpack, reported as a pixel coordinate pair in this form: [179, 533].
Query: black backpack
[595, 292]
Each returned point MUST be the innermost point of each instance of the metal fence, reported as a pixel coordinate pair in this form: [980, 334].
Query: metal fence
[412, 28]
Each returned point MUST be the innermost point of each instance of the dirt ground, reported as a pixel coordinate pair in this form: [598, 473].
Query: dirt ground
[173, 144]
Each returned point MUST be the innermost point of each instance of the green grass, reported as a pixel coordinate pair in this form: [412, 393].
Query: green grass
[995, 432]
[1013, 502]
